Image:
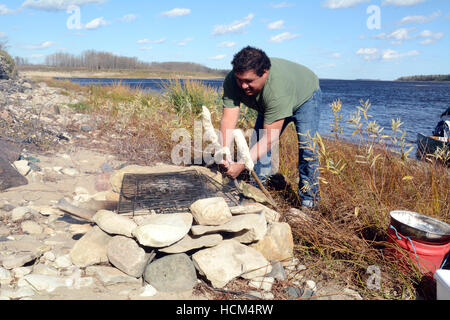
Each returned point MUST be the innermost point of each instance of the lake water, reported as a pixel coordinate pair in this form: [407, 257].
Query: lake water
[418, 104]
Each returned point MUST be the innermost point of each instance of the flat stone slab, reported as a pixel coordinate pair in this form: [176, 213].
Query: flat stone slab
[9, 176]
[163, 230]
[113, 223]
[230, 260]
[110, 275]
[91, 248]
[211, 212]
[277, 244]
[18, 260]
[193, 242]
[127, 256]
[251, 227]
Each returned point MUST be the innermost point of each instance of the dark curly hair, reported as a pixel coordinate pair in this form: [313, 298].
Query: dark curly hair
[251, 58]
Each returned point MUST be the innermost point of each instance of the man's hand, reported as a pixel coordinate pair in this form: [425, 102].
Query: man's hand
[233, 169]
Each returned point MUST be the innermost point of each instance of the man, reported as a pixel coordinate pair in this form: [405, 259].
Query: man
[443, 127]
[281, 92]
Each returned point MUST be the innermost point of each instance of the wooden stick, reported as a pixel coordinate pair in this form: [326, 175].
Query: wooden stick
[263, 189]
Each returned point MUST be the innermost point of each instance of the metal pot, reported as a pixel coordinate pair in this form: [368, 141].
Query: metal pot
[420, 227]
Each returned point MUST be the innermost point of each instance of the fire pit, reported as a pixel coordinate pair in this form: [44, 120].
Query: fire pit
[174, 192]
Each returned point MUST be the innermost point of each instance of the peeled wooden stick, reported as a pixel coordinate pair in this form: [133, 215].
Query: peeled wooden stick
[244, 151]
[210, 133]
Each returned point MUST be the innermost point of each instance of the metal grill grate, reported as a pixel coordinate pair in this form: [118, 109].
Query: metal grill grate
[170, 192]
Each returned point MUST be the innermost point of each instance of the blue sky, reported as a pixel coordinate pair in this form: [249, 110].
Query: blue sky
[339, 39]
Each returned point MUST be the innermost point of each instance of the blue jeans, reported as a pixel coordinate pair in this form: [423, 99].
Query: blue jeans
[306, 119]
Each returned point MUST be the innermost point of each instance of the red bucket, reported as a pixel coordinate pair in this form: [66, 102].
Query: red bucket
[428, 257]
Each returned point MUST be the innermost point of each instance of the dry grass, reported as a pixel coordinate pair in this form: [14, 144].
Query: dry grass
[360, 183]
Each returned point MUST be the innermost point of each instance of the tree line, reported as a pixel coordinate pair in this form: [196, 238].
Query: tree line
[438, 77]
[100, 60]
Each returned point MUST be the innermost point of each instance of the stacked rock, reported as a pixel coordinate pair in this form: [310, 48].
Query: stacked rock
[169, 250]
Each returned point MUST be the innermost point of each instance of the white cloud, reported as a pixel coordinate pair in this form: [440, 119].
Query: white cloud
[3, 35]
[177, 12]
[420, 19]
[283, 37]
[227, 44]
[402, 3]
[281, 5]
[162, 40]
[447, 17]
[96, 23]
[397, 36]
[336, 55]
[388, 54]
[146, 41]
[393, 55]
[4, 10]
[218, 57]
[128, 18]
[237, 26]
[57, 5]
[339, 4]
[41, 46]
[275, 25]
[185, 42]
[431, 37]
[146, 48]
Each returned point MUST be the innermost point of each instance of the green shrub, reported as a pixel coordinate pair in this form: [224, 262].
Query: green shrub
[80, 107]
[188, 97]
[7, 66]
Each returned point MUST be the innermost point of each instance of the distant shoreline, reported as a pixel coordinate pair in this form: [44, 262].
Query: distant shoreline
[143, 74]
[119, 74]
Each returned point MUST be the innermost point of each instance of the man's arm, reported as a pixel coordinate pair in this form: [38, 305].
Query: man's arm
[271, 135]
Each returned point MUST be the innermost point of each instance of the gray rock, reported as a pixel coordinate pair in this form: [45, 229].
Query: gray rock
[5, 276]
[10, 177]
[294, 292]
[262, 283]
[173, 273]
[45, 283]
[91, 248]
[22, 213]
[192, 242]
[18, 260]
[4, 231]
[110, 276]
[211, 212]
[278, 271]
[31, 227]
[229, 260]
[18, 293]
[127, 256]
[115, 224]
[247, 228]
[7, 207]
[45, 270]
[162, 230]
[277, 244]
[9, 152]
[106, 168]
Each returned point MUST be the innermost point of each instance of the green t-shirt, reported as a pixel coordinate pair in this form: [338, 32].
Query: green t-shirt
[288, 86]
